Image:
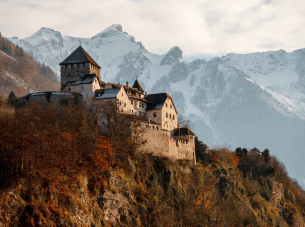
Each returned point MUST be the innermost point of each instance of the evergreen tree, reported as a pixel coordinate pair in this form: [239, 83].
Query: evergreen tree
[266, 155]
[12, 99]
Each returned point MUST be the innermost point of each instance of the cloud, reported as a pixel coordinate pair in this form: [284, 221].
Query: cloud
[198, 27]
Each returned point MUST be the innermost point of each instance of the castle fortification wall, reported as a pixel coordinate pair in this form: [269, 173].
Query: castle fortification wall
[160, 143]
[50, 97]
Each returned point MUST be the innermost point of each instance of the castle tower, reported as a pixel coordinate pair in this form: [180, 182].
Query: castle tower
[77, 65]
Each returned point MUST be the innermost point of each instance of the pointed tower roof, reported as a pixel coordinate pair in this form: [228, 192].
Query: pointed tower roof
[137, 86]
[79, 56]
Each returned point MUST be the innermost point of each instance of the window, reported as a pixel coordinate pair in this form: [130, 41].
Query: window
[166, 105]
[153, 127]
[131, 101]
[173, 116]
[157, 127]
[124, 104]
[155, 114]
[78, 66]
[69, 89]
[132, 113]
[122, 94]
[171, 106]
[82, 87]
[84, 65]
[87, 95]
[71, 66]
[170, 116]
[166, 115]
[66, 66]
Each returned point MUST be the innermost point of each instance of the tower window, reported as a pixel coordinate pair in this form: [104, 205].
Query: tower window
[155, 114]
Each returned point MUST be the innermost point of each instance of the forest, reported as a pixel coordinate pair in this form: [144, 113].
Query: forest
[20, 73]
[59, 167]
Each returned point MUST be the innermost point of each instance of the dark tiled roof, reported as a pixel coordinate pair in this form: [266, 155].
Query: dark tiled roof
[86, 79]
[156, 101]
[183, 131]
[137, 86]
[109, 93]
[68, 82]
[132, 90]
[79, 56]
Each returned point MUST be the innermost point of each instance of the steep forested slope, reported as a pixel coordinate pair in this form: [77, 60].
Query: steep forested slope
[58, 168]
[20, 73]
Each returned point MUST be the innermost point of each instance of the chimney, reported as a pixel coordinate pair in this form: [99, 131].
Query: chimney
[127, 84]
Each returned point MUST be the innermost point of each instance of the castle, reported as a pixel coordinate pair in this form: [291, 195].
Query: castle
[80, 78]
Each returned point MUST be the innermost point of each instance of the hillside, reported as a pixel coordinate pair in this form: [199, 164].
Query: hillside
[59, 169]
[238, 100]
[20, 73]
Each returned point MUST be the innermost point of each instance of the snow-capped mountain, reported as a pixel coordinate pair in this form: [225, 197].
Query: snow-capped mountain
[238, 100]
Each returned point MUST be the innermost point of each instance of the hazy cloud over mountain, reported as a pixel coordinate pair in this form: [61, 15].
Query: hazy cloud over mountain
[199, 27]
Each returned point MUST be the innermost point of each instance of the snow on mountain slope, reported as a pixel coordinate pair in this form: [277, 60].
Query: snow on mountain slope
[279, 71]
[238, 100]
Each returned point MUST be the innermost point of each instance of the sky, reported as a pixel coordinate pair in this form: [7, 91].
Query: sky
[199, 27]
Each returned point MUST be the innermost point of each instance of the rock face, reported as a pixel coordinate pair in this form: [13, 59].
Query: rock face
[172, 56]
[239, 100]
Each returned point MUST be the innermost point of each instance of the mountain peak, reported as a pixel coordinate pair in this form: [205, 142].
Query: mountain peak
[110, 31]
[172, 56]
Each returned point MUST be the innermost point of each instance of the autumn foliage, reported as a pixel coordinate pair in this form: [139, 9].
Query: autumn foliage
[46, 141]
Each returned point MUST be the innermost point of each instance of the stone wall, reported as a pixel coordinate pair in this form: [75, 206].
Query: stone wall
[73, 72]
[160, 143]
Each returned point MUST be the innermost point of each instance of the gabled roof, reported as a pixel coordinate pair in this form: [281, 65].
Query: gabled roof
[109, 93]
[86, 79]
[79, 56]
[67, 83]
[137, 86]
[156, 101]
[132, 90]
[183, 131]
